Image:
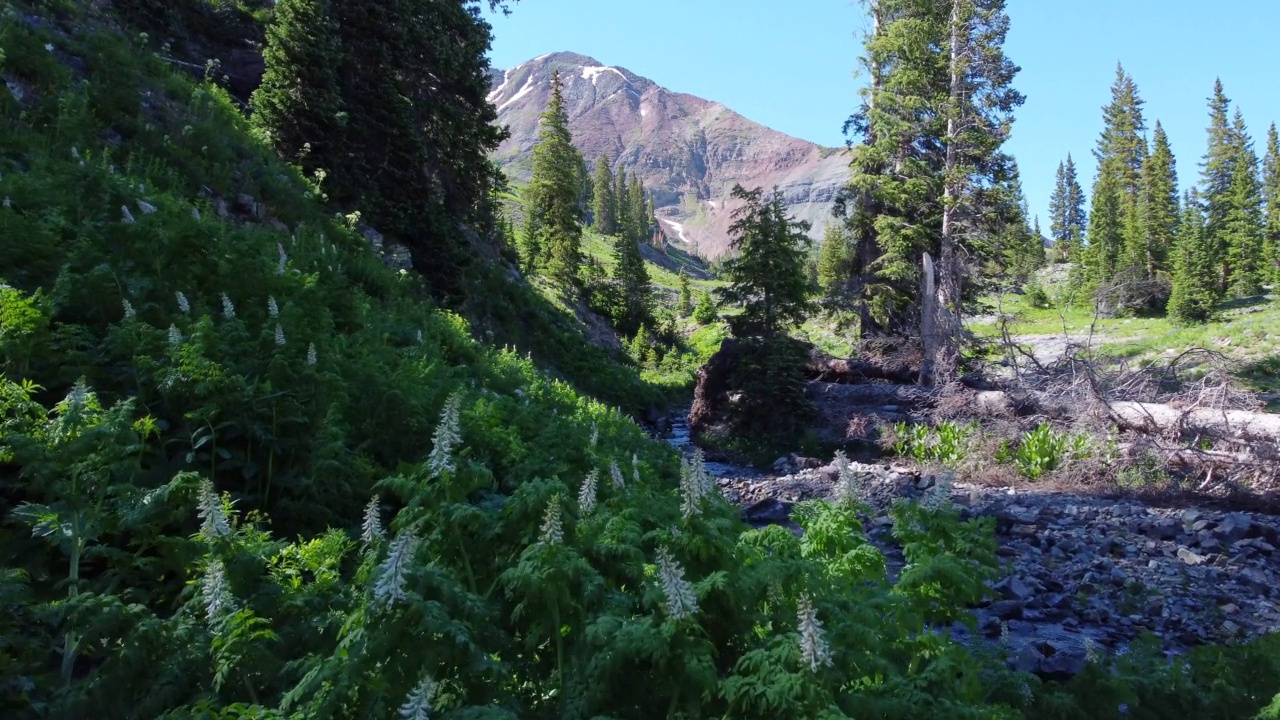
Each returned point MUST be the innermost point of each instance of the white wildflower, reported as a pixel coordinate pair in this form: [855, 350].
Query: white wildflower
[75, 153]
[850, 484]
[48, 47]
[195, 213]
[272, 308]
[447, 436]
[371, 529]
[214, 522]
[419, 337]
[615, 472]
[587, 493]
[183, 305]
[128, 216]
[813, 646]
[283, 259]
[217, 595]
[552, 528]
[690, 490]
[393, 574]
[77, 398]
[228, 307]
[681, 602]
[146, 207]
[595, 434]
[175, 335]
[418, 704]
[128, 309]
[279, 334]
[7, 202]
[311, 353]
[635, 468]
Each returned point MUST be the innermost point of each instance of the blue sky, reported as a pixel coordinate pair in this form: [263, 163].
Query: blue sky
[793, 69]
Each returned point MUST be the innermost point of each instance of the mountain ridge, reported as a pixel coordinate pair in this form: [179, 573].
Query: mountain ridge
[687, 150]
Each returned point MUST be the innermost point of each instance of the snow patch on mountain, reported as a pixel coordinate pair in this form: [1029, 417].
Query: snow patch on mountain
[593, 73]
[528, 88]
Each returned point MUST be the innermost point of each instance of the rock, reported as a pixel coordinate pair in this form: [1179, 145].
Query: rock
[768, 512]
[1233, 527]
[1014, 588]
[1161, 529]
[1007, 609]
[398, 258]
[1190, 558]
[782, 464]
[1052, 660]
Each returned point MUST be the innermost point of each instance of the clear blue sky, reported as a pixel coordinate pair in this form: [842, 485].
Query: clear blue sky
[791, 65]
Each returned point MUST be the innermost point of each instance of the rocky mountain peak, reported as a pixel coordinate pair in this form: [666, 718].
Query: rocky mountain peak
[688, 151]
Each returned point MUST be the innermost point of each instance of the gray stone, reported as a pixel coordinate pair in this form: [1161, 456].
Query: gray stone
[1233, 527]
[1190, 558]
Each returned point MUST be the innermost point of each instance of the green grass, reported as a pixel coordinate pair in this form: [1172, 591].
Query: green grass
[1247, 333]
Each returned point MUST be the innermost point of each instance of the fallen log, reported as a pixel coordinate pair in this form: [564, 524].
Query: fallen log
[1154, 417]
[845, 371]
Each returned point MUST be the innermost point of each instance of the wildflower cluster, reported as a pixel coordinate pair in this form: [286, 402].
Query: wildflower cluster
[393, 573]
[213, 520]
[615, 473]
[447, 436]
[552, 532]
[681, 602]
[371, 529]
[216, 593]
[417, 705]
[813, 645]
[695, 483]
[587, 494]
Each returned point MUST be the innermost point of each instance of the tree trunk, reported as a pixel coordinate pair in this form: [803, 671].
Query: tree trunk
[940, 307]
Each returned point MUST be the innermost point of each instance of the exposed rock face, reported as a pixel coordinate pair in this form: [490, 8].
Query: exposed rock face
[688, 151]
[1081, 574]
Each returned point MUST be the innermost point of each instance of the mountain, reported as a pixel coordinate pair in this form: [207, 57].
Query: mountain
[688, 151]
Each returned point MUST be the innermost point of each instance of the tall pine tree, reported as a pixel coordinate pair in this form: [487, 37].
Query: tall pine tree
[553, 221]
[1114, 217]
[604, 204]
[1242, 227]
[1217, 171]
[1271, 198]
[1066, 213]
[1147, 254]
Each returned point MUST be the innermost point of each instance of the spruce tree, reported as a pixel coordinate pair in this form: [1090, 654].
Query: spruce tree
[1242, 227]
[637, 211]
[1195, 293]
[1217, 172]
[634, 286]
[684, 303]
[604, 204]
[622, 208]
[835, 262]
[1114, 217]
[298, 104]
[1066, 214]
[766, 274]
[553, 193]
[1271, 199]
[1160, 211]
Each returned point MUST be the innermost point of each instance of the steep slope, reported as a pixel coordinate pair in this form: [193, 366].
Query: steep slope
[688, 151]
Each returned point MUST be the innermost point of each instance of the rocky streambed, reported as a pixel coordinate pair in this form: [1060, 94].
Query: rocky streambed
[1079, 573]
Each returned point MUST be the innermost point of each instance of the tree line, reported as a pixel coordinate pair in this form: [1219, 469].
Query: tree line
[1145, 246]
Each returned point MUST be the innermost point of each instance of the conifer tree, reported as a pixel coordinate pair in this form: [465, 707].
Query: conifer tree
[1195, 293]
[297, 106]
[553, 192]
[637, 211]
[1114, 218]
[1242, 228]
[684, 304]
[1066, 213]
[1271, 199]
[621, 197]
[1160, 211]
[634, 286]
[835, 260]
[1217, 172]
[604, 204]
[766, 275]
